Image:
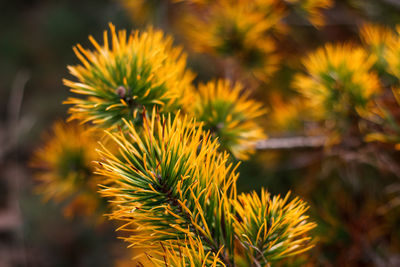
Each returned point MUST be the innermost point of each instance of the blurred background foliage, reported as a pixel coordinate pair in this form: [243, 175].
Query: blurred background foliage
[353, 191]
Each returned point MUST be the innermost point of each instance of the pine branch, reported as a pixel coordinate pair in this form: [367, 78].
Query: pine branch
[171, 181]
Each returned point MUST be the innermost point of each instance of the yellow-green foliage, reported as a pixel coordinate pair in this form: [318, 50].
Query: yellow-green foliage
[338, 82]
[168, 174]
[171, 182]
[271, 228]
[165, 146]
[227, 111]
[65, 170]
[137, 71]
[237, 29]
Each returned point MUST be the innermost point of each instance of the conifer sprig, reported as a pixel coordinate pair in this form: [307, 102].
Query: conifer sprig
[64, 169]
[338, 88]
[170, 180]
[119, 80]
[226, 110]
[270, 229]
[237, 30]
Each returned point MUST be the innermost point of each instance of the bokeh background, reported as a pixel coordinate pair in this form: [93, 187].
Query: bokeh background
[348, 194]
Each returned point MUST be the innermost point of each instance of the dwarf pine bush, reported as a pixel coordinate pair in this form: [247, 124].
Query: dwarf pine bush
[166, 157]
[156, 148]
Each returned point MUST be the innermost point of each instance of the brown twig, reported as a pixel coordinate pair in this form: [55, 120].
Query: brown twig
[296, 142]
